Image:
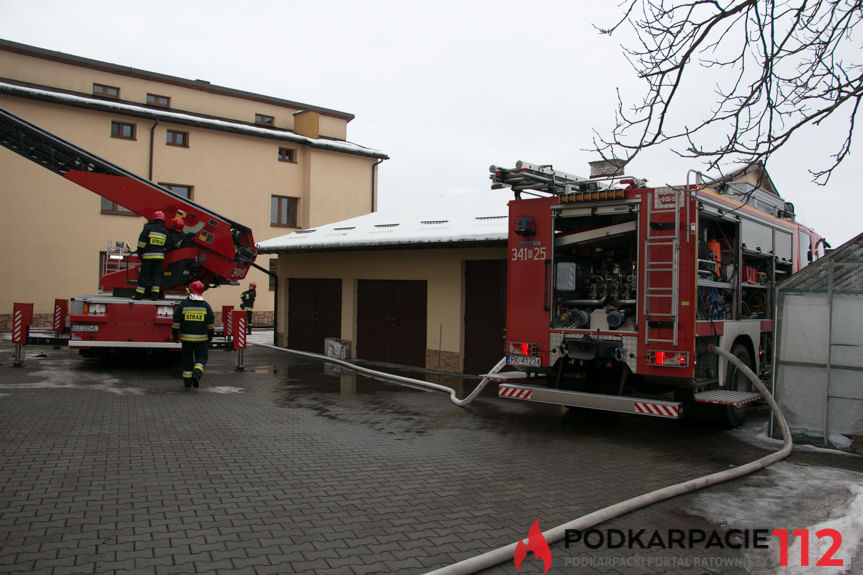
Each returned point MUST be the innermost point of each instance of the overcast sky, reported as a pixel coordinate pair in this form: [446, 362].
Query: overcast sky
[444, 88]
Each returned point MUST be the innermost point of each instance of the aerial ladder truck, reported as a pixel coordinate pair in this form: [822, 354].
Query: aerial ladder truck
[617, 291]
[219, 250]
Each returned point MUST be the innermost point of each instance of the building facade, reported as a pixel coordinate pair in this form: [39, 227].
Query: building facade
[268, 163]
[414, 289]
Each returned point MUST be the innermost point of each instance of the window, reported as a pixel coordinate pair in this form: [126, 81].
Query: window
[157, 100]
[178, 138]
[110, 208]
[106, 91]
[283, 211]
[806, 255]
[179, 189]
[123, 130]
[263, 119]
[287, 155]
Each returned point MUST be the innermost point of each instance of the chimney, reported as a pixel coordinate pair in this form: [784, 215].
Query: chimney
[606, 168]
[307, 123]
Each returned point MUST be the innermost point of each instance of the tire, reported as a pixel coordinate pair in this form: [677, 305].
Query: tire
[736, 380]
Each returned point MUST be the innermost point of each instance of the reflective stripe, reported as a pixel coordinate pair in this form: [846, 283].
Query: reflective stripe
[153, 256]
[193, 337]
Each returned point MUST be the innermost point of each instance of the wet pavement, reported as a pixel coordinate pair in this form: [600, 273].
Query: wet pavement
[296, 466]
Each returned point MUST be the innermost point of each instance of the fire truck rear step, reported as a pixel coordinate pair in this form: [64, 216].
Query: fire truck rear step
[616, 403]
[727, 397]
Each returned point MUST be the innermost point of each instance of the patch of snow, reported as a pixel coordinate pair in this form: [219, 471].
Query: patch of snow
[50, 381]
[120, 107]
[224, 389]
[457, 218]
[792, 497]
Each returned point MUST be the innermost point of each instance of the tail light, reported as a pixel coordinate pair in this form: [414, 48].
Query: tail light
[668, 358]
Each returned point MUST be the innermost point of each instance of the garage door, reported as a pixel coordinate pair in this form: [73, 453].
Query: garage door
[391, 321]
[314, 312]
[485, 314]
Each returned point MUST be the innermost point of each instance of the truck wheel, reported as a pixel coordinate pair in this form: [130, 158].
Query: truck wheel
[736, 380]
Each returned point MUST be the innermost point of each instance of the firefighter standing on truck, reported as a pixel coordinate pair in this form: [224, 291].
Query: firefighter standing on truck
[151, 249]
[247, 303]
[193, 326]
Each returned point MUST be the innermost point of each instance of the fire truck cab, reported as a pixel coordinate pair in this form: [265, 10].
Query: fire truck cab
[616, 290]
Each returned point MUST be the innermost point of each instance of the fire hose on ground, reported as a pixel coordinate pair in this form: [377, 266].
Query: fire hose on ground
[502, 554]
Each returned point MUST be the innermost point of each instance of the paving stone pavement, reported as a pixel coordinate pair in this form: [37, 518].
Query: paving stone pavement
[293, 466]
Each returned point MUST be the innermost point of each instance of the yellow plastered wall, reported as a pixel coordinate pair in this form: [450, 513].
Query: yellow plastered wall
[56, 230]
[34, 70]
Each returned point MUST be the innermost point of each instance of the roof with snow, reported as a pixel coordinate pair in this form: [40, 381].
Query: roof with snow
[184, 118]
[457, 223]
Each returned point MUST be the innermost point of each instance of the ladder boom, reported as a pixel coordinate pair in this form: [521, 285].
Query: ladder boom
[227, 247]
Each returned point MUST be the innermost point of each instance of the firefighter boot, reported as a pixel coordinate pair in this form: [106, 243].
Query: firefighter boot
[197, 375]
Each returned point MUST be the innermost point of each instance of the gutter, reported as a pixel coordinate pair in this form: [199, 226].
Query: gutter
[374, 169]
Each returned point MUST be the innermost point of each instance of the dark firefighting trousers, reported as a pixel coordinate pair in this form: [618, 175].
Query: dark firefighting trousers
[150, 275]
[193, 361]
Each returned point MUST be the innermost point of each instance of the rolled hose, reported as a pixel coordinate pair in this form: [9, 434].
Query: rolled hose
[501, 554]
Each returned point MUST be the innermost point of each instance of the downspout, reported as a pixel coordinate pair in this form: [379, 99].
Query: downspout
[152, 145]
[374, 169]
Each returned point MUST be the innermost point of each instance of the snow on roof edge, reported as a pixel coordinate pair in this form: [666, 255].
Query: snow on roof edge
[334, 145]
[394, 229]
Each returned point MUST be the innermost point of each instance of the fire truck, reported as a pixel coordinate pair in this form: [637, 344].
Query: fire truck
[216, 250]
[617, 291]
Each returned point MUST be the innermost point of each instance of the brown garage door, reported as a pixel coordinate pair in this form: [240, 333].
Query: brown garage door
[485, 314]
[314, 312]
[391, 321]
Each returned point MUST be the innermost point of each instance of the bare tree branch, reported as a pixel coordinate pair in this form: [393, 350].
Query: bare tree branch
[778, 66]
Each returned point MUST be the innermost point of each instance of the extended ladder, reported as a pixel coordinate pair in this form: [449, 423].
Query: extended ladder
[662, 265]
[536, 178]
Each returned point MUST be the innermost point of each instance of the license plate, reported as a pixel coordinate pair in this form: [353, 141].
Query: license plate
[87, 328]
[524, 361]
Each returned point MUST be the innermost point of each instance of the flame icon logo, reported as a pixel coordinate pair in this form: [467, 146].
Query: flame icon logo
[535, 542]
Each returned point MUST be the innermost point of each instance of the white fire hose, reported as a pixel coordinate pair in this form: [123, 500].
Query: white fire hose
[502, 554]
[396, 378]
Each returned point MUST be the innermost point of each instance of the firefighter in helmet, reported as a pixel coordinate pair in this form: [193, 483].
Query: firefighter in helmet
[247, 303]
[152, 243]
[193, 327]
[176, 236]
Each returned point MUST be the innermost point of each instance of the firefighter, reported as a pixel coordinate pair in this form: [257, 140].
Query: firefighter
[151, 249]
[176, 236]
[193, 326]
[247, 303]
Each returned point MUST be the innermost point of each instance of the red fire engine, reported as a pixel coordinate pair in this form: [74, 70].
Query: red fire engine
[218, 251]
[616, 290]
